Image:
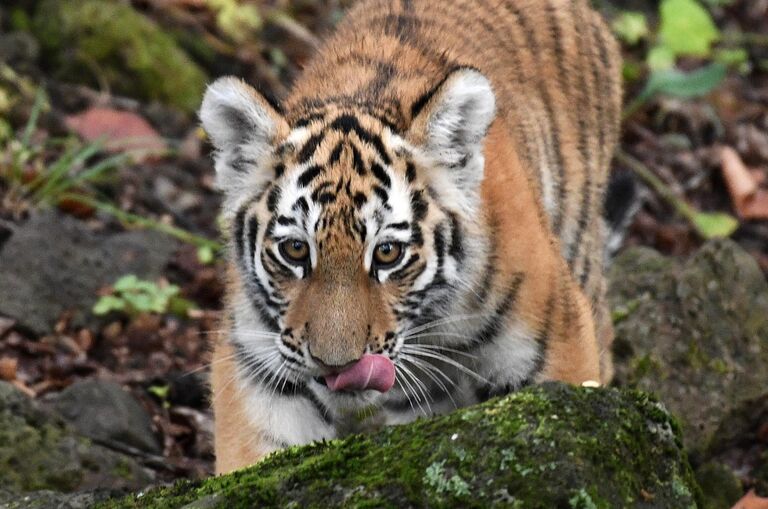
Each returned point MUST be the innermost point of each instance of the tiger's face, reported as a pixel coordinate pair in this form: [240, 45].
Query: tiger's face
[346, 235]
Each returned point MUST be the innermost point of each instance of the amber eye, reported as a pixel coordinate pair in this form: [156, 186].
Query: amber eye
[295, 251]
[387, 253]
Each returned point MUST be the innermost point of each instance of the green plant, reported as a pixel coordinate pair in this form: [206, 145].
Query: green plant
[34, 177]
[686, 29]
[132, 296]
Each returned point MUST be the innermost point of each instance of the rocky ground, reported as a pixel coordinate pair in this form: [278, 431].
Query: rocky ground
[118, 401]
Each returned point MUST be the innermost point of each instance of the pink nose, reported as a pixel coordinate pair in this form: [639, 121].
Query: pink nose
[376, 372]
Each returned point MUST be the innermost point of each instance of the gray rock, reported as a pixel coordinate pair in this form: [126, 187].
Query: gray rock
[39, 451]
[54, 263]
[104, 412]
[695, 332]
[50, 499]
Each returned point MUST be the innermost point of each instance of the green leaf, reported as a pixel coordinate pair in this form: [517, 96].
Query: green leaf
[140, 302]
[715, 224]
[660, 58]
[205, 255]
[681, 84]
[108, 303]
[126, 283]
[631, 27]
[687, 28]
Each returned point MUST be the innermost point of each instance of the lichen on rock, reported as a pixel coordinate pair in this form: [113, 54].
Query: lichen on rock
[119, 47]
[543, 447]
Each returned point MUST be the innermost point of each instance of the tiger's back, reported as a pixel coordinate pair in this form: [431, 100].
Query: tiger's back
[478, 134]
[555, 70]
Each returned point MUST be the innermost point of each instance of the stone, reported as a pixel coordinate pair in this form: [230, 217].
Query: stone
[39, 451]
[694, 332]
[102, 411]
[54, 263]
[548, 446]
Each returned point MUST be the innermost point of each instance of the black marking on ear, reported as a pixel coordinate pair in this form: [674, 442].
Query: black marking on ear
[310, 146]
[419, 104]
[272, 198]
[238, 122]
[360, 199]
[309, 174]
[348, 123]
[381, 193]
[456, 249]
[410, 172]
[381, 174]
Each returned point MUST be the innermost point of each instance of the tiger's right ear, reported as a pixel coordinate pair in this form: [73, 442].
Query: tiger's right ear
[244, 128]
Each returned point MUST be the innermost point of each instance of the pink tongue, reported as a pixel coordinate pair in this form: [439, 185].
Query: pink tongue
[371, 372]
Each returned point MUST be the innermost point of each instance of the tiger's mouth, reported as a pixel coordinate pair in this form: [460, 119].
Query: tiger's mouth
[372, 372]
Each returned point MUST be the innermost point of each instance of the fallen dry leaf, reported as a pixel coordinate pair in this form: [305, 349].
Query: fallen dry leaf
[8, 367]
[751, 501]
[122, 131]
[749, 200]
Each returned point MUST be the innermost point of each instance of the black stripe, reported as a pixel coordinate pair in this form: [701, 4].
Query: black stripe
[401, 272]
[381, 193]
[253, 229]
[419, 205]
[410, 171]
[381, 174]
[239, 227]
[310, 146]
[272, 198]
[308, 175]
[456, 249]
[501, 313]
[348, 123]
[335, 154]
[403, 225]
[285, 220]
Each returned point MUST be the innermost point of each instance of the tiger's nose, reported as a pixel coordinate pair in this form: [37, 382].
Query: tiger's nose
[334, 363]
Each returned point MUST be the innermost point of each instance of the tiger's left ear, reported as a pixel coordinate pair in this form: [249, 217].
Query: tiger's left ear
[451, 126]
[244, 127]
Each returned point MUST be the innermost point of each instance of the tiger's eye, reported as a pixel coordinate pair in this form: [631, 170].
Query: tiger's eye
[294, 250]
[387, 253]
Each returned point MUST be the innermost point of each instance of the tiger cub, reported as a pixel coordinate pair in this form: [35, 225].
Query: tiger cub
[417, 226]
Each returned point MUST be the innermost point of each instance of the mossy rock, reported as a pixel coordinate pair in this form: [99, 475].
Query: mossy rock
[550, 446]
[107, 41]
[38, 451]
[694, 332]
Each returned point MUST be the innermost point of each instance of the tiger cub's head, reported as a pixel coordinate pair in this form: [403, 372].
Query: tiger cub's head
[345, 233]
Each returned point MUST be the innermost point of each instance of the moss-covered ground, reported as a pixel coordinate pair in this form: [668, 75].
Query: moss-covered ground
[545, 447]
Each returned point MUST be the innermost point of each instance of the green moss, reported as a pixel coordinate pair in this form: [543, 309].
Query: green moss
[119, 47]
[548, 446]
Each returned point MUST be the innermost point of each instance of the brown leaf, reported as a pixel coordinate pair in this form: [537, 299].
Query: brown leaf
[751, 501]
[749, 200]
[8, 367]
[122, 131]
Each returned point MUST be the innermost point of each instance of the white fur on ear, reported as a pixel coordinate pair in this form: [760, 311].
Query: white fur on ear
[452, 126]
[243, 128]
